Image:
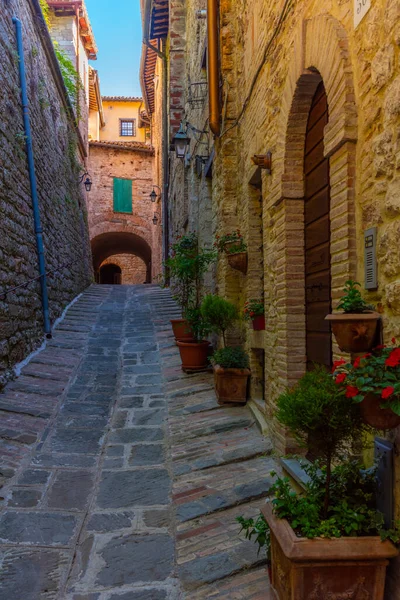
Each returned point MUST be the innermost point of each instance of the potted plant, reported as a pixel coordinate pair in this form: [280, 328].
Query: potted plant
[373, 380]
[194, 352]
[235, 248]
[254, 312]
[187, 265]
[180, 266]
[355, 328]
[230, 365]
[326, 541]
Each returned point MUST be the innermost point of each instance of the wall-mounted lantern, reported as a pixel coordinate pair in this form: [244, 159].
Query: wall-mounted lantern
[181, 142]
[153, 195]
[87, 183]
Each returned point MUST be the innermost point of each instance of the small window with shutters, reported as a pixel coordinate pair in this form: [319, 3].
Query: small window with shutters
[122, 195]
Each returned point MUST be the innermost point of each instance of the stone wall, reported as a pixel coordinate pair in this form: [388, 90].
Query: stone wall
[271, 61]
[63, 208]
[123, 233]
[133, 268]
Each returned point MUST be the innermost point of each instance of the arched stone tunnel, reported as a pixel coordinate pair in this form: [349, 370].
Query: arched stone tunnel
[109, 244]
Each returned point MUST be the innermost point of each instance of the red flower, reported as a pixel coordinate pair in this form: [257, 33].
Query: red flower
[393, 340]
[366, 355]
[340, 378]
[380, 347]
[351, 391]
[356, 363]
[388, 391]
[338, 363]
[393, 359]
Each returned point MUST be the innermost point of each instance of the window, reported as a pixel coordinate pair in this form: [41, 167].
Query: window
[122, 195]
[127, 127]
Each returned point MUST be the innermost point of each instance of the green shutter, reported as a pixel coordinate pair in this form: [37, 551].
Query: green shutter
[122, 195]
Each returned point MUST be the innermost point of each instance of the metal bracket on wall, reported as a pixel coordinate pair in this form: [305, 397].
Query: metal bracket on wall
[383, 454]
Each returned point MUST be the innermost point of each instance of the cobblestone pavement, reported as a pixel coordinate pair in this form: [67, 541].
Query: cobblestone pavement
[122, 476]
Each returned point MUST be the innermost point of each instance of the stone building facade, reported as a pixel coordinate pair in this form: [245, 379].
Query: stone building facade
[316, 85]
[59, 153]
[121, 162]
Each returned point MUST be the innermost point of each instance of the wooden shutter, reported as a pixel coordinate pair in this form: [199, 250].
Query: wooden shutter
[123, 195]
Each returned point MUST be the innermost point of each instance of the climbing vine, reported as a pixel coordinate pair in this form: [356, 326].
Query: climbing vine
[70, 75]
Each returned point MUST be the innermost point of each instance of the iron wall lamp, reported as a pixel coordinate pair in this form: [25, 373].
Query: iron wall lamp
[87, 183]
[181, 142]
[153, 195]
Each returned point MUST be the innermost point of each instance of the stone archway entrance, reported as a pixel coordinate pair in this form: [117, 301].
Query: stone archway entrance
[317, 258]
[110, 274]
[114, 243]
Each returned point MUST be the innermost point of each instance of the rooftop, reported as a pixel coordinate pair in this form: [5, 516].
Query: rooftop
[133, 146]
[122, 99]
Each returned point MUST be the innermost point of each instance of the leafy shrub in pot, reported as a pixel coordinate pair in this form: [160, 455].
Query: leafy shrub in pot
[230, 365]
[355, 328]
[328, 535]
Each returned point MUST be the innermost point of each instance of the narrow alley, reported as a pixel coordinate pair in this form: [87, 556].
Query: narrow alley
[122, 475]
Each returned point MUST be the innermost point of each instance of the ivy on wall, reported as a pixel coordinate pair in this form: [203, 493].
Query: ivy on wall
[70, 75]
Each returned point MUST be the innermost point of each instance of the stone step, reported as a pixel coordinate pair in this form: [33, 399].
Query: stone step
[210, 549]
[203, 492]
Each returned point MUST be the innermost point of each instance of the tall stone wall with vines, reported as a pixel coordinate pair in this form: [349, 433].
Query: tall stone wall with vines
[62, 205]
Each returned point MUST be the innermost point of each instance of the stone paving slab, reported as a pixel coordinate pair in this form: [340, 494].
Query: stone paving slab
[122, 476]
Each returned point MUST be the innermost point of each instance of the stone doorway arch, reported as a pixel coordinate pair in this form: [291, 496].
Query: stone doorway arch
[110, 274]
[112, 243]
[320, 53]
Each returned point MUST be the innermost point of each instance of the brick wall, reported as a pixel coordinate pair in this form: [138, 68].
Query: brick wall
[63, 209]
[134, 232]
[133, 269]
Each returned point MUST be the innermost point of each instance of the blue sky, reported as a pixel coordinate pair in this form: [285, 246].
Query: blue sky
[118, 31]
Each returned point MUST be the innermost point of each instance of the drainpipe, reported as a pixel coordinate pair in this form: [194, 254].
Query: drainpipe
[32, 180]
[213, 66]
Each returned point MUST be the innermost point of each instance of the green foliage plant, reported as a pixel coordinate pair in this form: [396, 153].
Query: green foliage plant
[219, 313]
[351, 512]
[352, 301]
[45, 12]
[257, 528]
[252, 309]
[377, 373]
[230, 243]
[231, 358]
[317, 410]
[187, 266]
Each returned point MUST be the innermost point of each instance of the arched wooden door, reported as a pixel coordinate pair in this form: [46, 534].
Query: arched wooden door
[317, 235]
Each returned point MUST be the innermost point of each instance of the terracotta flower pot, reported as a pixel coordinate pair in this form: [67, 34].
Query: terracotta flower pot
[238, 261]
[182, 330]
[258, 323]
[375, 416]
[231, 385]
[354, 332]
[348, 567]
[194, 355]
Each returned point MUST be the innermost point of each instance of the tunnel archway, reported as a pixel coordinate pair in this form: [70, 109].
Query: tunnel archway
[110, 274]
[109, 244]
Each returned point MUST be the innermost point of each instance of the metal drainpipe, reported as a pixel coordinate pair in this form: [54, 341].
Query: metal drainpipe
[213, 66]
[32, 180]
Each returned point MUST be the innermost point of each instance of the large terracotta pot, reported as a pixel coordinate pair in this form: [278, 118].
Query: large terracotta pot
[337, 568]
[231, 385]
[194, 355]
[258, 323]
[354, 332]
[182, 330]
[238, 261]
[375, 416]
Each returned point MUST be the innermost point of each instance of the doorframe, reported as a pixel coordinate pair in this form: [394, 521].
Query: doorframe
[320, 50]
